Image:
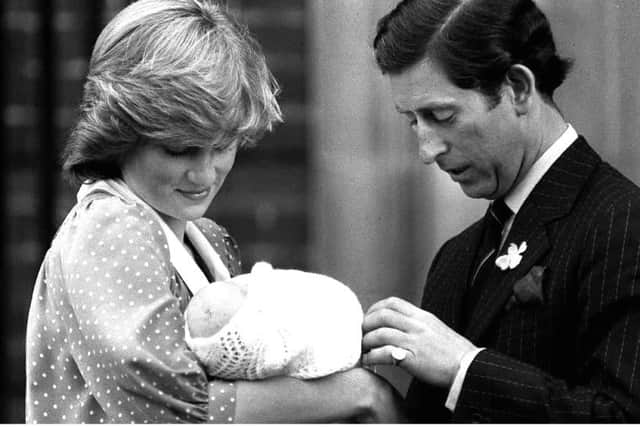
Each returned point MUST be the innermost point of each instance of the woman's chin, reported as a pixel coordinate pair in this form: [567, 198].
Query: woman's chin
[193, 214]
[187, 214]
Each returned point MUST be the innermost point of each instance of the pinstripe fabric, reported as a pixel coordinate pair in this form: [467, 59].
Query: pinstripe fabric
[574, 358]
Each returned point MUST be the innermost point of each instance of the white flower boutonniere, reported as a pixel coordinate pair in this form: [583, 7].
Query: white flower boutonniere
[512, 258]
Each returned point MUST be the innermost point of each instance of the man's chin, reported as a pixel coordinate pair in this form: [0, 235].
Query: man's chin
[480, 190]
[474, 191]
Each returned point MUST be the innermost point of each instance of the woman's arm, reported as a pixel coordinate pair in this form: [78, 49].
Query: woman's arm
[121, 328]
[357, 395]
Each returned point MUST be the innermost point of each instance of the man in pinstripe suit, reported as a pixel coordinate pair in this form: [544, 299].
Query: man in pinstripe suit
[544, 326]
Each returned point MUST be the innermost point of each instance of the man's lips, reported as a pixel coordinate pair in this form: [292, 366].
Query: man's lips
[456, 172]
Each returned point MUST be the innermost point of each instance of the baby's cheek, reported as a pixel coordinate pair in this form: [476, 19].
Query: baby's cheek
[212, 308]
[204, 322]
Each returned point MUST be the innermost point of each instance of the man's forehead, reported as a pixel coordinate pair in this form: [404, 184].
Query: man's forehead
[416, 97]
[424, 85]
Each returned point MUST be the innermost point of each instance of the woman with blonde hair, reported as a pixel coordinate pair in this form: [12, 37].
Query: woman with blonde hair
[174, 88]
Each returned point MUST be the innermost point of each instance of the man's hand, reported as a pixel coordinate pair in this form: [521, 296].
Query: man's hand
[434, 350]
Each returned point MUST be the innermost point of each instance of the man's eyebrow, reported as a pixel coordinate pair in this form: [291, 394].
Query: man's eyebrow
[433, 105]
[439, 105]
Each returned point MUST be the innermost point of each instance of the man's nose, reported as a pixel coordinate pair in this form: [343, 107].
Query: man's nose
[430, 145]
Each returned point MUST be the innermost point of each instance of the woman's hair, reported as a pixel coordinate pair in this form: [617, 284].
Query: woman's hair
[175, 73]
[475, 41]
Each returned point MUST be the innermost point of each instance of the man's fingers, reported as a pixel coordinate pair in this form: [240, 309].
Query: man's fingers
[395, 304]
[384, 356]
[381, 337]
[386, 318]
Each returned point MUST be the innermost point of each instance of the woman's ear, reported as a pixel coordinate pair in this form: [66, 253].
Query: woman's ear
[522, 82]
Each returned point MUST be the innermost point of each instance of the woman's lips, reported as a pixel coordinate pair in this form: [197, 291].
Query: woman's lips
[195, 195]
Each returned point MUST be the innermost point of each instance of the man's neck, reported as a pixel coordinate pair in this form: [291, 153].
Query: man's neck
[543, 129]
[549, 126]
[517, 195]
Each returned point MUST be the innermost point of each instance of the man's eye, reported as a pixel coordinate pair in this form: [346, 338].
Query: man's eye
[443, 116]
[411, 119]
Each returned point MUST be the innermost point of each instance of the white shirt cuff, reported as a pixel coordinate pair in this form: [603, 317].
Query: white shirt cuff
[456, 387]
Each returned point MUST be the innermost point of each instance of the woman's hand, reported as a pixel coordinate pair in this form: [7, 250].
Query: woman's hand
[356, 395]
[434, 350]
[382, 403]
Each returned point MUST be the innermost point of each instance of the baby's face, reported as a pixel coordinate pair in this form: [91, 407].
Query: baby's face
[214, 305]
[240, 282]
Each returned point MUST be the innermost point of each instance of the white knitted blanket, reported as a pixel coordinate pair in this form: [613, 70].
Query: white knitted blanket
[295, 323]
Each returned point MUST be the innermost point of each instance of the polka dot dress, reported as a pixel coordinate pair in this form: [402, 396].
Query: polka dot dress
[105, 335]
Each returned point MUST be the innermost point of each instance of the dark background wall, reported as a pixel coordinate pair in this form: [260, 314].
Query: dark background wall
[45, 51]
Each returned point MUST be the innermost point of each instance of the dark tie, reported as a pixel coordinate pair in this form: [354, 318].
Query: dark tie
[494, 221]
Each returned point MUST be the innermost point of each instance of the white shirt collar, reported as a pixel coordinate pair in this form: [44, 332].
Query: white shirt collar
[516, 197]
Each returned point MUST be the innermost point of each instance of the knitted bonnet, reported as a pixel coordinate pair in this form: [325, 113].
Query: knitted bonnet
[292, 322]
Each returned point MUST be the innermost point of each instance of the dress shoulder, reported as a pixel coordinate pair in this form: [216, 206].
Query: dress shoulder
[104, 219]
[223, 243]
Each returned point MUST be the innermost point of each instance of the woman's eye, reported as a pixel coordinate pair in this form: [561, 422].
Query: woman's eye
[172, 152]
[184, 151]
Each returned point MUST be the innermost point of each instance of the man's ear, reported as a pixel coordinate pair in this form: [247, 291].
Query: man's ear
[522, 83]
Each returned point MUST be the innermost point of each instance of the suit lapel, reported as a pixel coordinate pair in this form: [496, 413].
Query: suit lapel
[497, 289]
[552, 198]
[447, 281]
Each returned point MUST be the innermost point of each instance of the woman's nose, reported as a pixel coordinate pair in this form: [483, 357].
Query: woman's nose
[202, 169]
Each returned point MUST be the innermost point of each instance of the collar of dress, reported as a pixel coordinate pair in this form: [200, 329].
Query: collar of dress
[185, 265]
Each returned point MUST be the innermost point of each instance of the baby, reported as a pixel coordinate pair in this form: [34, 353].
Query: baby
[274, 322]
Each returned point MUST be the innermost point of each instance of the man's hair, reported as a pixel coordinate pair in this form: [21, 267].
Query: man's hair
[475, 41]
[175, 73]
